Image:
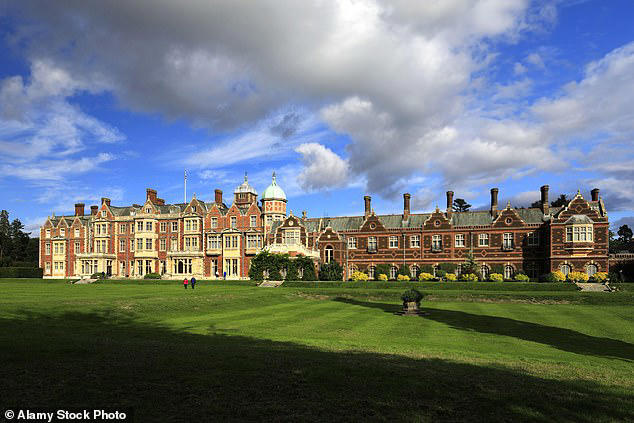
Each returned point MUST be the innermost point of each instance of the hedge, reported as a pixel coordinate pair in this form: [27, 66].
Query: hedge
[21, 272]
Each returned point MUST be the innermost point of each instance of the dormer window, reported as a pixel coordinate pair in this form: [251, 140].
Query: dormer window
[234, 222]
[48, 233]
[148, 210]
[194, 209]
[579, 233]
[62, 232]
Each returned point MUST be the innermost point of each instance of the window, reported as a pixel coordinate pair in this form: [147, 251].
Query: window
[122, 229]
[508, 272]
[414, 241]
[214, 222]
[253, 241]
[459, 240]
[329, 253]
[139, 244]
[393, 242]
[188, 244]
[269, 220]
[352, 243]
[532, 239]
[48, 233]
[508, 241]
[234, 222]
[148, 226]
[188, 225]
[48, 267]
[291, 237]
[582, 233]
[76, 232]
[234, 241]
[227, 242]
[483, 240]
[415, 271]
[148, 210]
[484, 271]
[393, 271]
[254, 221]
[140, 267]
[565, 269]
[195, 225]
[122, 245]
[591, 269]
[213, 242]
[163, 226]
[48, 248]
[139, 226]
[194, 209]
[62, 232]
[174, 244]
[372, 243]
[174, 226]
[76, 247]
[371, 272]
[436, 242]
[131, 245]
[122, 268]
[162, 244]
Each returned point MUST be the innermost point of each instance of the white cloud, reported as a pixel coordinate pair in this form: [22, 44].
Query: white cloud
[323, 168]
[519, 69]
[536, 60]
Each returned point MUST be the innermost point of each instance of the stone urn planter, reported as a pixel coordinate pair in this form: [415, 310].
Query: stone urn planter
[411, 302]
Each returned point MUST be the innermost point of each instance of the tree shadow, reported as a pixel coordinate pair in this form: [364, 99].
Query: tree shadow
[94, 360]
[560, 338]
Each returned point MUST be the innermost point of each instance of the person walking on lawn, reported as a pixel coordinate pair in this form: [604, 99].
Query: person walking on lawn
[193, 282]
[185, 282]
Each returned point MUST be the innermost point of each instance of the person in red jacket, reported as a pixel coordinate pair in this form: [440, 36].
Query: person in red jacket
[185, 282]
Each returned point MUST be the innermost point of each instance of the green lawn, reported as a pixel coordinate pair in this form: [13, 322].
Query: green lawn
[239, 352]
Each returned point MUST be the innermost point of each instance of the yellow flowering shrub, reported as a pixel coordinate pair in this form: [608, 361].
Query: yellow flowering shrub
[600, 277]
[425, 277]
[577, 277]
[496, 277]
[402, 278]
[520, 277]
[558, 274]
[468, 277]
[450, 277]
[383, 277]
[359, 276]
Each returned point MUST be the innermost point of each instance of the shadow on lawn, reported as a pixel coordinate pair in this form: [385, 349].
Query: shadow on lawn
[560, 338]
[108, 360]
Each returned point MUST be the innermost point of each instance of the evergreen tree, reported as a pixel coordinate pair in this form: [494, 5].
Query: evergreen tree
[330, 271]
[404, 270]
[469, 265]
[561, 201]
[625, 233]
[5, 237]
[460, 205]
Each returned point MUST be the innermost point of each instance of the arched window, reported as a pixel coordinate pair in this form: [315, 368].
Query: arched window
[351, 269]
[565, 269]
[591, 269]
[484, 271]
[508, 272]
[371, 272]
[393, 271]
[329, 254]
[414, 270]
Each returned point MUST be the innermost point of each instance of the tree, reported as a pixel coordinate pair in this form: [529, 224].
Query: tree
[536, 204]
[330, 271]
[291, 271]
[460, 205]
[15, 244]
[561, 201]
[381, 269]
[404, 270]
[469, 265]
[625, 233]
[5, 237]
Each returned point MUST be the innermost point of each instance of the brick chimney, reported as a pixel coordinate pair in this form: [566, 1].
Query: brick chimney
[105, 200]
[218, 196]
[93, 210]
[595, 194]
[79, 209]
[494, 202]
[368, 207]
[151, 194]
[304, 215]
[406, 208]
[160, 201]
[449, 202]
[544, 201]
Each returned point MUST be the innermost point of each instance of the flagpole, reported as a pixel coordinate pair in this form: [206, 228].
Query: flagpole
[185, 193]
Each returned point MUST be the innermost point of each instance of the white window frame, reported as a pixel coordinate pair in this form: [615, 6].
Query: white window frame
[483, 240]
[174, 226]
[459, 240]
[253, 221]
[436, 242]
[393, 241]
[292, 237]
[579, 233]
[234, 222]
[414, 241]
[508, 240]
[372, 244]
[393, 272]
[214, 222]
[122, 245]
[352, 243]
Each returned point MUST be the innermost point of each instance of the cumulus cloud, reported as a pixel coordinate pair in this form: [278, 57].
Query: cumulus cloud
[323, 168]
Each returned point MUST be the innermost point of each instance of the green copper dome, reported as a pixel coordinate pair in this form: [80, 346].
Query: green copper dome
[273, 191]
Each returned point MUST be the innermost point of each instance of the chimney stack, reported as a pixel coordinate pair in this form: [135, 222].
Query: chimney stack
[368, 209]
[79, 209]
[494, 202]
[151, 194]
[595, 194]
[105, 200]
[406, 208]
[218, 196]
[544, 201]
[449, 202]
[93, 210]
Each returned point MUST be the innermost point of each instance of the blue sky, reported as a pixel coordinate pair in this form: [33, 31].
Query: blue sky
[340, 98]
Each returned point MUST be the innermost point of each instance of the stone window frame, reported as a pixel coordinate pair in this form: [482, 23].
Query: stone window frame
[459, 241]
[393, 241]
[481, 239]
[352, 243]
[414, 241]
[436, 242]
[576, 231]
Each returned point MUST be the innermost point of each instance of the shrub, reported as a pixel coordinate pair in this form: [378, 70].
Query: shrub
[426, 277]
[520, 277]
[448, 267]
[559, 275]
[98, 275]
[600, 277]
[360, 276]
[307, 266]
[330, 272]
[382, 277]
[496, 277]
[291, 271]
[403, 278]
[152, 276]
[412, 295]
[497, 268]
[440, 274]
[381, 269]
[21, 272]
[450, 277]
[577, 277]
[469, 277]
[404, 271]
[427, 268]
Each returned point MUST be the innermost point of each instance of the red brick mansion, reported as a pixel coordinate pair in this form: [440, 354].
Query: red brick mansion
[213, 240]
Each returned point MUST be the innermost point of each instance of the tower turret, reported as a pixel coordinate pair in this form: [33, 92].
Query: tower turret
[273, 204]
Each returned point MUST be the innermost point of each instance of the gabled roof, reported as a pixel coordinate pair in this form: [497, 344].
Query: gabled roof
[579, 219]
